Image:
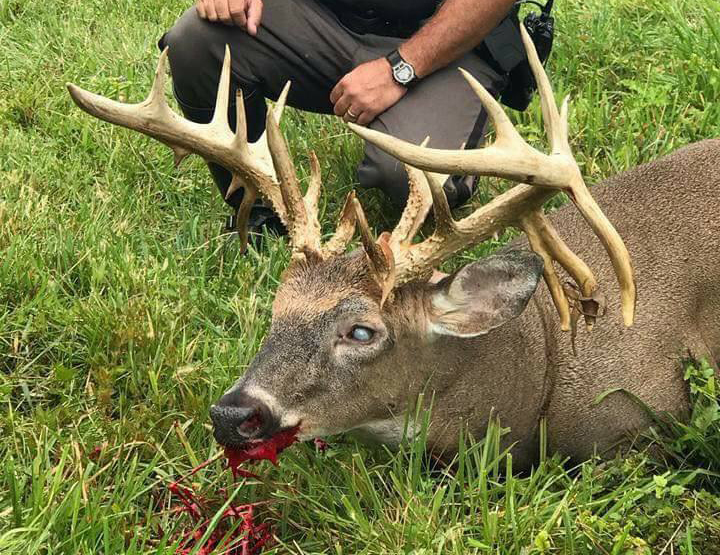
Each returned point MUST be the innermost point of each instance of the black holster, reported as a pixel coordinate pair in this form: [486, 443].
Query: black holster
[504, 51]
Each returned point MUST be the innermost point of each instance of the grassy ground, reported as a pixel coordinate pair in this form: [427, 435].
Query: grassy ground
[123, 315]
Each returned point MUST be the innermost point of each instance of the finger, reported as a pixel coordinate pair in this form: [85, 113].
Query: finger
[200, 7]
[352, 113]
[222, 7]
[210, 10]
[254, 16]
[366, 117]
[342, 105]
[348, 118]
[337, 92]
[237, 12]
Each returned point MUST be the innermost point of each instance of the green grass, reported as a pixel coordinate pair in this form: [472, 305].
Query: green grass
[123, 312]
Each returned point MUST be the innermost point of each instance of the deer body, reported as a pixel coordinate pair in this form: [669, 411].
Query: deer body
[667, 213]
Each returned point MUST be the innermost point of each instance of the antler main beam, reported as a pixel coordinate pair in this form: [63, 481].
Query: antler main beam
[214, 141]
[264, 168]
[540, 175]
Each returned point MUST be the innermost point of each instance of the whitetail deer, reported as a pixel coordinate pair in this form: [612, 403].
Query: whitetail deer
[356, 337]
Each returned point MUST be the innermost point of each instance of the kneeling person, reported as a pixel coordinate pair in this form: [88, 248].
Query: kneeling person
[391, 65]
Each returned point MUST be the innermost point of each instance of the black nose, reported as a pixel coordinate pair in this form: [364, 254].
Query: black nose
[237, 418]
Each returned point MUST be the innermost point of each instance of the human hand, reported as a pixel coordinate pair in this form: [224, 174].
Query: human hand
[365, 92]
[243, 13]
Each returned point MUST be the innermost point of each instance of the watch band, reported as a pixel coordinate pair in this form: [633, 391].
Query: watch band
[394, 58]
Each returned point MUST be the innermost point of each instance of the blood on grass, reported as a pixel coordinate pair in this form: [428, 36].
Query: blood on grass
[236, 532]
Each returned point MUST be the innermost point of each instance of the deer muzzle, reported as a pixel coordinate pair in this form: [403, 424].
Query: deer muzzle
[238, 418]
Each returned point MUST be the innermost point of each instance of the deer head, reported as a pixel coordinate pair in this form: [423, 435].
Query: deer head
[356, 336]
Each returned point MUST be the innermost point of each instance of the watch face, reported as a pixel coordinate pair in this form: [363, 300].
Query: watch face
[403, 72]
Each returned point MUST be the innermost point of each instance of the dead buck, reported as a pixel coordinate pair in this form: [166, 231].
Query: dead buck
[356, 337]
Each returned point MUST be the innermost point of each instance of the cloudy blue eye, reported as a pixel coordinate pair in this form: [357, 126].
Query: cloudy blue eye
[362, 334]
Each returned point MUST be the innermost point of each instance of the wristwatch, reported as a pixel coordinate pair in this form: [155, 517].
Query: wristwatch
[403, 72]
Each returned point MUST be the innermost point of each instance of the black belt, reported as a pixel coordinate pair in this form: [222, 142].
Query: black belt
[371, 22]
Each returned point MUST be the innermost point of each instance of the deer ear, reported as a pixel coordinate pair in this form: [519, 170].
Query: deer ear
[485, 294]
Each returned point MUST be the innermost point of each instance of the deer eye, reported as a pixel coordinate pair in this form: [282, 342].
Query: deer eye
[361, 334]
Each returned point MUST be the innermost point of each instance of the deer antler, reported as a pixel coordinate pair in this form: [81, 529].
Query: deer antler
[540, 175]
[263, 168]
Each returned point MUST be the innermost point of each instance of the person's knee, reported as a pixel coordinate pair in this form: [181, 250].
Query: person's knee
[385, 173]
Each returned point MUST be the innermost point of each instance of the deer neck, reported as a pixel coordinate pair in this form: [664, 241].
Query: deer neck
[505, 374]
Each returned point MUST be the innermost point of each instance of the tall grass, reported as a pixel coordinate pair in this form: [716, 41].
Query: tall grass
[123, 312]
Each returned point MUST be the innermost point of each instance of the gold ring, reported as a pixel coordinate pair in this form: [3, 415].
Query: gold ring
[351, 115]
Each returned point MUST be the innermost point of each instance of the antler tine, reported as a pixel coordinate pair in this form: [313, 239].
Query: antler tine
[241, 138]
[366, 236]
[300, 227]
[555, 124]
[219, 120]
[312, 195]
[243, 215]
[614, 246]
[416, 209]
[505, 131]
[156, 97]
[279, 107]
[387, 278]
[127, 115]
[240, 142]
[344, 230]
[550, 275]
[546, 242]
[445, 225]
[573, 264]
[379, 253]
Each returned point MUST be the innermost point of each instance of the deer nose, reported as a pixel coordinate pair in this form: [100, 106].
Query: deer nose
[238, 418]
